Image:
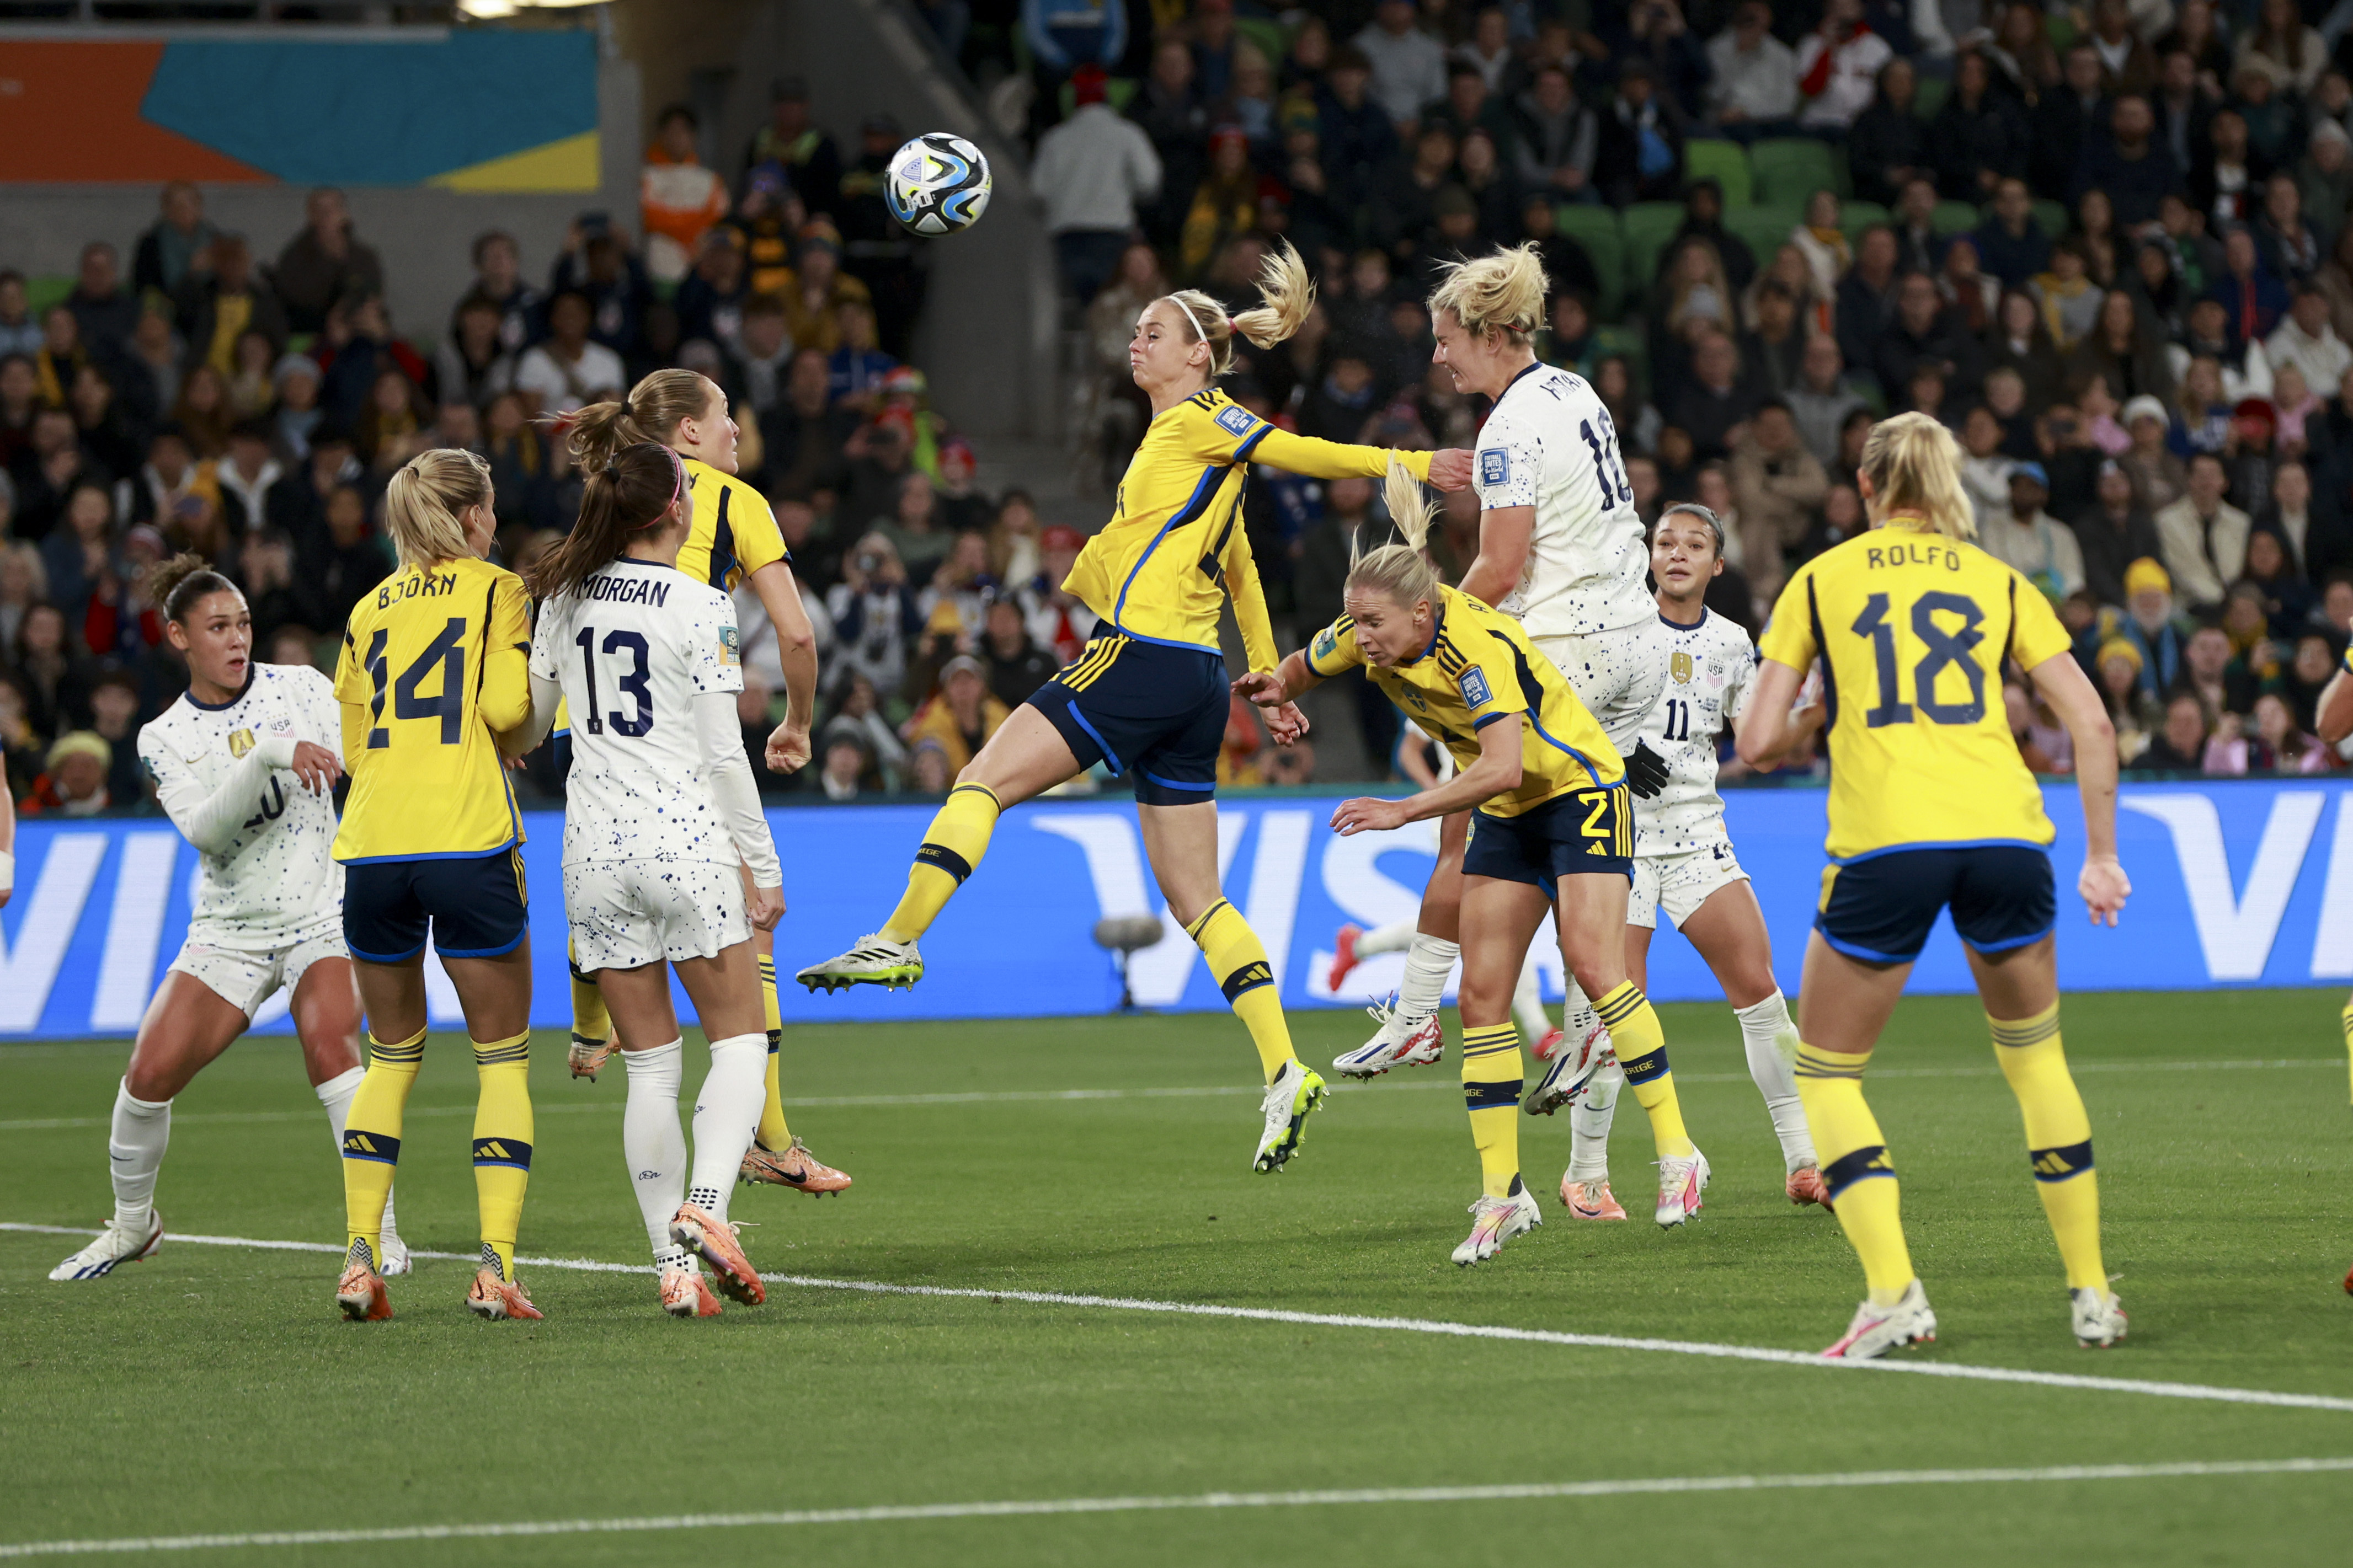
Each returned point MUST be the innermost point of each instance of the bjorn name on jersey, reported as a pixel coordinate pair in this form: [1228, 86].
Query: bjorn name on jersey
[278, 877]
[1550, 445]
[1711, 668]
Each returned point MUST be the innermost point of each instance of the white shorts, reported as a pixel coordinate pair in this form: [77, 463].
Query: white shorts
[1680, 884]
[1617, 675]
[246, 977]
[625, 914]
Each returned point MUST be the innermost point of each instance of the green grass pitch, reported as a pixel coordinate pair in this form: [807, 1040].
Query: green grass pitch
[213, 1389]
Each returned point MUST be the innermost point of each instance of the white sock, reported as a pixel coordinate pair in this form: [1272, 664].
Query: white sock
[1589, 1118]
[336, 1094]
[1428, 962]
[1395, 937]
[1527, 1003]
[727, 1114]
[654, 1146]
[143, 1130]
[1772, 1044]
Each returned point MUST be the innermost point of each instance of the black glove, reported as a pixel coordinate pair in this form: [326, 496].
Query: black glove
[1646, 771]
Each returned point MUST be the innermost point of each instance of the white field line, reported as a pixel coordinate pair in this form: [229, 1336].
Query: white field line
[906, 1512]
[543, 1107]
[1764, 1353]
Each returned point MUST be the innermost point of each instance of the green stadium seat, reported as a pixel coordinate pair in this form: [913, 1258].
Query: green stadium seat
[1792, 168]
[1856, 216]
[1931, 96]
[1726, 163]
[1268, 35]
[2055, 219]
[1628, 342]
[1953, 218]
[1648, 225]
[41, 292]
[1596, 228]
[1764, 229]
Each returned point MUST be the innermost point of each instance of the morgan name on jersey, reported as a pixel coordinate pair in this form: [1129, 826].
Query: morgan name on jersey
[1711, 668]
[276, 877]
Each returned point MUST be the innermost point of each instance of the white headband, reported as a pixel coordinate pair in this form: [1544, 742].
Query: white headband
[1180, 304]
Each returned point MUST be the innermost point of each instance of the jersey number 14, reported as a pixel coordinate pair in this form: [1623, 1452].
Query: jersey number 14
[446, 652]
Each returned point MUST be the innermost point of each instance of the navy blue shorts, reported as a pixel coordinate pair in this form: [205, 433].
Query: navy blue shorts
[1879, 909]
[1152, 711]
[476, 905]
[1583, 831]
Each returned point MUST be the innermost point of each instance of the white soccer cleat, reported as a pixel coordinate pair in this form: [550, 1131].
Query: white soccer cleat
[1403, 1040]
[1495, 1221]
[1878, 1330]
[110, 1249]
[1681, 1182]
[875, 960]
[394, 1262]
[1571, 1069]
[2099, 1317]
[1296, 1093]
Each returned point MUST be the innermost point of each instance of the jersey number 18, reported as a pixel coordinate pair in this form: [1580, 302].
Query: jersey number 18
[1946, 650]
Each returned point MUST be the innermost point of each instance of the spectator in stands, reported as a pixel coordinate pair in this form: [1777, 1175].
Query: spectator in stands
[806, 154]
[2204, 537]
[2127, 161]
[1555, 137]
[2306, 340]
[2286, 52]
[1753, 86]
[247, 476]
[678, 199]
[1866, 301]
[19, 333]
[1017, 666]
[216, 305]
[296, 422]
[470, 366]
[1408, 65]
[105, 312]
[568, 371]
[499, 281]
[2181, 746]
[2114, 535]
[1067, 37]
[174, 246]
[2063, 121]
[1888, 143]
[1778, 487]
[2285, 241]
[323, 263]
[1639, 151]
[1713, 406]
[2068, 299]
[2128, 65]
[74, 784]
[1823, 398]
[1093, 170]
[1923, 331]
[1838, 65]
[2030, 539]
[1980, 137]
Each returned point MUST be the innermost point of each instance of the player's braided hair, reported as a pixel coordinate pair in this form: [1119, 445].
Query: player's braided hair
[1914, 466]
[1503, 293]
[183, 582]
[651, 412]
[632, 491]
[1400, 571]
[423, 503]
[1287, 294]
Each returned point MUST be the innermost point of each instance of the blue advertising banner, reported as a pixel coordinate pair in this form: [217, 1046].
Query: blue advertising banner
[2234, 884]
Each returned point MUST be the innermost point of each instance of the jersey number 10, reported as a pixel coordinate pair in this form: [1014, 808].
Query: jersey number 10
[447, 651]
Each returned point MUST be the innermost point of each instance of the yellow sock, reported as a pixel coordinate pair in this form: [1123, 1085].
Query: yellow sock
[952, 847]
[1641, 1047]
[372, 1138]
[1855, 1165]
[2345, 1018]
[2057, 1139]
[591, 1022]
[773, 1133]
[1491, 1088]
[1243, 973]
[503, 1135]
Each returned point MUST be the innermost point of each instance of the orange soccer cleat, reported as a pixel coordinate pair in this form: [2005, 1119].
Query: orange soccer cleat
[687, 1293]
[494, 1298]
[792, 1167]
[1590, 1200]
[1344, 957]
[360, 1291]
[714, 1242]
[1805, 1186]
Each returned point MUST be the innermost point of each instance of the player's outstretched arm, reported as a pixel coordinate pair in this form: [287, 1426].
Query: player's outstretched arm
[1768, 732]
[1497, 772]
[1317, 459]
[788, 747]
[211, 819]
[2061, 681]
[2335, 720]
[1504, 535]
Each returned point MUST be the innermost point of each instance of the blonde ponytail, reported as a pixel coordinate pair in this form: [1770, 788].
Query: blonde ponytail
[1500, 293]
[424, 500]
[652, 411]
[1287, 292]
[1914, 466]
[1400, 571]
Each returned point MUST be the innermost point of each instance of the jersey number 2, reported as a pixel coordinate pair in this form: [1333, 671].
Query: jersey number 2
[633, 683]
[445, 651]
[1944, 648]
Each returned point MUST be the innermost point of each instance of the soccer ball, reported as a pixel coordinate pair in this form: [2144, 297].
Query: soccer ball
[938, 183]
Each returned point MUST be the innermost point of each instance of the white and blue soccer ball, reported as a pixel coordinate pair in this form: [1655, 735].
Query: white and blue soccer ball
[938, 183]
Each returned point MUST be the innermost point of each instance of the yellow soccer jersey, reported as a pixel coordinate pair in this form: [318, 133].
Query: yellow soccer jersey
[435, 662]
[1174, 551]
[734, 533]
[1912, 629]
[1480, 667]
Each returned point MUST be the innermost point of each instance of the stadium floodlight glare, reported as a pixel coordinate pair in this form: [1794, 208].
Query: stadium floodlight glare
[1124, 935]
[493, 10]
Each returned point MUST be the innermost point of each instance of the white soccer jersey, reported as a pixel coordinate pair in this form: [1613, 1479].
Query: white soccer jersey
[634, 645]
[268, 876]
[1549, 443]
[1711, 668]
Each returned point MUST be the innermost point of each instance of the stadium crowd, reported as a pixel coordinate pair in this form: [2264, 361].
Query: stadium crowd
[2107, 244]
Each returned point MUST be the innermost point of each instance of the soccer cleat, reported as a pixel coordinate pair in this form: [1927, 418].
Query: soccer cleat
[1681, 1182]
[687, 1293]
[587, 1057]
[1344, 957]
[494, 1298]
[1878, 1330]
[360, 1291]
[395, 1260]
[713, 1240]
[110, 1249]
[875, 960]
[1294, 1095]
[1495, 1221]
[1590, 1200]
[792, 1167]
[1403, 1040]
[1571, 1069]
[1549, 1046]
[2099, 1317]
[1805, 1186]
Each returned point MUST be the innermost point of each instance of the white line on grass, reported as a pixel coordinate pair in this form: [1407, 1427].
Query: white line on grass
[910, 1513]
[1045, 1096]
[1764, 1354]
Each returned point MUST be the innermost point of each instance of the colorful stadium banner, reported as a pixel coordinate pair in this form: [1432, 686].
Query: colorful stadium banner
[2239, 884]
[474, 109]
